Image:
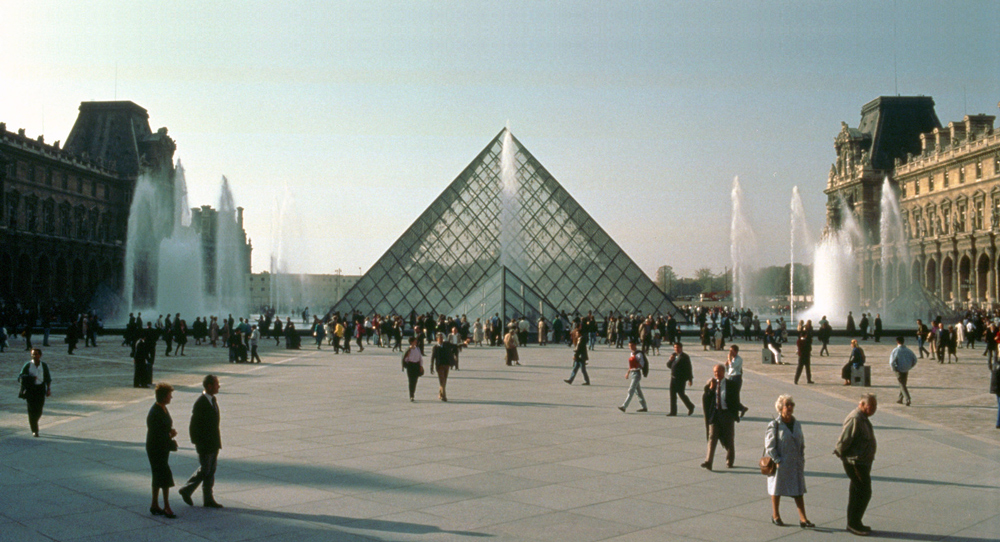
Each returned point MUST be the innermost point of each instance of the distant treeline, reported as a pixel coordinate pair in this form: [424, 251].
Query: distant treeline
[767, 281]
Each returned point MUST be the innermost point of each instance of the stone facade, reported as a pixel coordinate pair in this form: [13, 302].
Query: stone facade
[947, 179]
[950, 203]
[64, 210]
[297, 291]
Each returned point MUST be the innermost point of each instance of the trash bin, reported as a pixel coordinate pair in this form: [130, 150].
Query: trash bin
[861, 376]
[766, 356]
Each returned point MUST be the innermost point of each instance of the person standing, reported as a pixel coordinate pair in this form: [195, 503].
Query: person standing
[37, 383]
[681, 376]
[995, 388]
[804, 345]
[878, 327]
[254, 340]
[580, 358]
[207, 439]
[636, 363]
[510, 346]
[160, 442]
[720, 416]
[902, 359]
[856, 449]
[734, 374]
[785, 444]
[413, 365]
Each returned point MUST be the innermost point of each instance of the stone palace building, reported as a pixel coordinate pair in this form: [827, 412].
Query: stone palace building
[947, 180]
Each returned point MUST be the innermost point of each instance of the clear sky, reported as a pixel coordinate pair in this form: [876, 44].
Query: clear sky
[357, 115]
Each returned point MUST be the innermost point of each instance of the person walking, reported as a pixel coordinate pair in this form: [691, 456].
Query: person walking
[922, 338]
[413, 364]
[856, 448]
[442, 358]
[637, 364]
[901, 359]
[580, 358]
[36, 382]
[681, 376]
[785, 444]
[160, 442]
[720, 416]
[823, 334]
[207, 440]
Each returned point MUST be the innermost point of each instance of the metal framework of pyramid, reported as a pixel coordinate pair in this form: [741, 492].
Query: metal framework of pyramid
[461, 257]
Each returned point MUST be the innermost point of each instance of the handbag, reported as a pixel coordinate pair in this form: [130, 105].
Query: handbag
[767, 466]
[420, 372]
[23, 392]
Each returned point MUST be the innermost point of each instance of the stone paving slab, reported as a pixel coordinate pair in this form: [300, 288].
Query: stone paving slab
[320, 446]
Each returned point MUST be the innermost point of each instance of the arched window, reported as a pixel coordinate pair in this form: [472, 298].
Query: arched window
[13, 209]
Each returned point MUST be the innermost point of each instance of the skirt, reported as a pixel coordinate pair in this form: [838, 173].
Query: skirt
[159, 463]
[512, 355]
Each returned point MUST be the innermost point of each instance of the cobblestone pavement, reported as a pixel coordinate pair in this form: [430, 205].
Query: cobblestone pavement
[320, 446]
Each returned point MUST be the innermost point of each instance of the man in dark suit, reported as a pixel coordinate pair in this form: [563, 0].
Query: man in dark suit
[207, 441]
[721, 413]
[681, 376]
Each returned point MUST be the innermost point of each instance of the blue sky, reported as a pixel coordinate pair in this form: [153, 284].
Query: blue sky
[363, 112]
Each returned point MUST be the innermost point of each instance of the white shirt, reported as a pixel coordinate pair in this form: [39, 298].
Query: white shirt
[735, 367]
[35, 372]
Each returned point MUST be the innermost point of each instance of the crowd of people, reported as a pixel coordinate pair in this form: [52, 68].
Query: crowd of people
[447, 336]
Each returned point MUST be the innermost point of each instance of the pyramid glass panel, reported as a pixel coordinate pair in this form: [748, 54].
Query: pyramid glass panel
[505, 237]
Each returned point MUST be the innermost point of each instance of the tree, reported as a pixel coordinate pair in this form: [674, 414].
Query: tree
[704, 277]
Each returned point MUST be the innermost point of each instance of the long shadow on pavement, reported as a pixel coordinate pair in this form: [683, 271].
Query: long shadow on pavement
[360, 524]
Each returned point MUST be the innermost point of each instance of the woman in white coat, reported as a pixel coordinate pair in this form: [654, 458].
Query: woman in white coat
[786, 445]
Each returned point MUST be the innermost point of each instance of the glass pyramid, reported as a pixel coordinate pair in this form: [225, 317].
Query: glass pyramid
[505, 237]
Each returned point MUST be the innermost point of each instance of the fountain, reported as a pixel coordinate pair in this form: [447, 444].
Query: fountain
[742, 248]
[510, 209]
[835, 279]
[230, 286]
[165, 257]
[892, 238]
[286, 233]
[800, 238]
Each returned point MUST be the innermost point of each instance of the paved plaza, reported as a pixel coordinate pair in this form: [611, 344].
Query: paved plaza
[318, 446]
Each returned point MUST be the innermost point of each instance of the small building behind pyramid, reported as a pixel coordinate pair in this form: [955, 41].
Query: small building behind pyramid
[505, 238]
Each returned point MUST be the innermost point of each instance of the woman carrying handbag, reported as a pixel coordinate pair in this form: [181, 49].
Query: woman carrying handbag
[785, 444]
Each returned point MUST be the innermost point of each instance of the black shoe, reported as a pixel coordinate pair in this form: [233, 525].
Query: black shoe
[570, 382]
[777, 521]
[169, 515]
[213, 504]
[186, 497]
[643, 409]
[671, 414]
[806, 524]
[621, 408]
[706, 465]
[155, 511]
[690, 410]
[585, 384]
[858, 531]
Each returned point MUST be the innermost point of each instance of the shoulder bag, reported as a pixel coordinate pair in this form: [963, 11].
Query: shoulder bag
[767, 465]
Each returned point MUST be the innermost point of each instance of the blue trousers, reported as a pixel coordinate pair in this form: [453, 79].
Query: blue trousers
[582, 367]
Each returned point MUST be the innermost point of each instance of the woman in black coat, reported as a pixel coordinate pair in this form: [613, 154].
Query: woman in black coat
[160, 442]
